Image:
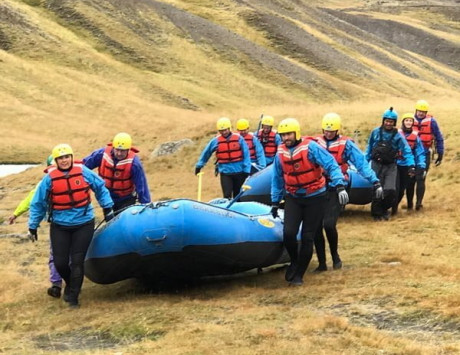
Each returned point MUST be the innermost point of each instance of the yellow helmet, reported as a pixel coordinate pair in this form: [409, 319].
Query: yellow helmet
[268, 121]
[331, 122]
[223, 123]
[122, 141]
[61, 150]
[407, 115]
[242, 124]
[422, 105]
[289, 125]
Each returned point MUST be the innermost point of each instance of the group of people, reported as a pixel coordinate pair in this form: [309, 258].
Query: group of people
[310, 173]
[63, 196]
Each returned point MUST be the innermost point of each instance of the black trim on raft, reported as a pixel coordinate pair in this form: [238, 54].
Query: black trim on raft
[191, 262]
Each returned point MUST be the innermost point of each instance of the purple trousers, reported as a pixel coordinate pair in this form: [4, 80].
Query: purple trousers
[55, 278]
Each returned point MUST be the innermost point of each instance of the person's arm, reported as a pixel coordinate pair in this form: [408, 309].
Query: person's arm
[320, 156]
[98, 186]
[261, 162]
[246, 156]
[140, 181]
[438, 137]
[370, 145]
[206, 153]
[356, 156]
[24, 205]
[278, 139]
[94, 159]
[420, 156]
[39, 202]
[406, 152]
[277, 188]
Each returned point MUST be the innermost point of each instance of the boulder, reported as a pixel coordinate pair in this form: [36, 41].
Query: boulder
[170, 147]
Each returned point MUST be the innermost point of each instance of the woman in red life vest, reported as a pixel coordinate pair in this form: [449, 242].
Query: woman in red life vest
[64, 192]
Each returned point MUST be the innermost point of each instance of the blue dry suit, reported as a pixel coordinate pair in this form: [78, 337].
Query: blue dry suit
[138, 177]
[398, 143]
[354, 155]
[68, 217]
[243, 166]
[418, 153]
[317, 155]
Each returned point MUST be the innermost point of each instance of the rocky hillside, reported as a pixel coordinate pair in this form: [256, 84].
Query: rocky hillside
[91, 60]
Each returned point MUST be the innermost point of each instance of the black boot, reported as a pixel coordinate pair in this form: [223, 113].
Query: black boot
[337, 262]
[54, 291]
[320, 268]
[290, 272]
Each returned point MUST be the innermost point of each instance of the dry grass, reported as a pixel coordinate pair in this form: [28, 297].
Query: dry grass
[398, 290]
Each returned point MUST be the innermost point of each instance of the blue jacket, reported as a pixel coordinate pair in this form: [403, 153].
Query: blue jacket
[352, 154]
[138, 177]
[317, 155]
[243, 166]
[436, 132]
[397, 142]
[73, 216]
[418, 153]
[260, 161]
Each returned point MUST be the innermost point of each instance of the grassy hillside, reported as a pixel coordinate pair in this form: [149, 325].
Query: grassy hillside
[82, 71]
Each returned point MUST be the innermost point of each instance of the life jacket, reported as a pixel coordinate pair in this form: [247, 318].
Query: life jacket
[298, 171]
[117, 175]
[249, 139]
[268, 141]
[229, 149]
[337, 150]
[68, 189]
[383, 152]
[424, 130]
[411, 138]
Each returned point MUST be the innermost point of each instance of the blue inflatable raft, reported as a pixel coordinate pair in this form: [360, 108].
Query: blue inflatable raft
[183, 239]
[359, 189]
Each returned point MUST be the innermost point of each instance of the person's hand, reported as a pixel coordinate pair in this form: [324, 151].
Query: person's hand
[342, 195]
[378, 190]
[438, 160]
[274, 210]
[411, 171]
[33, 235]
[108, 214]
[197, 171]
[11, 219]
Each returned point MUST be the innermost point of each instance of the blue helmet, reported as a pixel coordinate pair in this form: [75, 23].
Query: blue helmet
[390, 114]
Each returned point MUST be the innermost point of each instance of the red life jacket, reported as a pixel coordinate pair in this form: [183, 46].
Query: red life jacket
[249, 139]
[68, 189]
[268, 142]
[424, 130]
[411, 138]
[298, 171]
[337, 150]
[229, 149]
[117, 176]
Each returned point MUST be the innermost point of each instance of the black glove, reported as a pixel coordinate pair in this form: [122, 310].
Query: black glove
[378, 190]
[197, 171]
[108, 213]
[438, 160]
[411, 171]
[274, 210]
[33, 236]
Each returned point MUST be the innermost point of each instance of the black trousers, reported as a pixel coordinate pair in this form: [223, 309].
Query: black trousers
[121, 205]
[306, 211]
[417, 184]
[387, 175]
[231, 184]
[70, 244]
[329, 224]
[402, 181]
